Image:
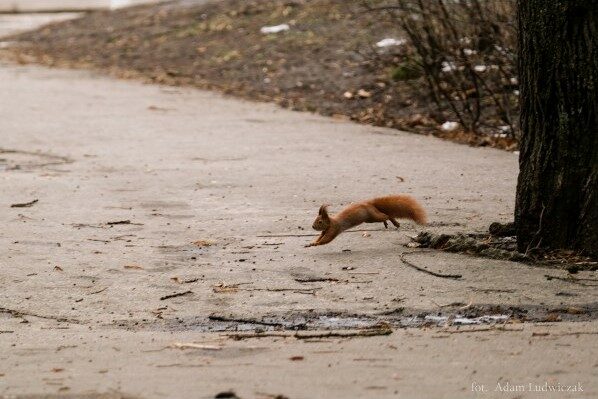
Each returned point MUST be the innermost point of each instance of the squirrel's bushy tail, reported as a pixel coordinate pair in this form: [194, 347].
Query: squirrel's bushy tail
[401, 206]
[416, 212]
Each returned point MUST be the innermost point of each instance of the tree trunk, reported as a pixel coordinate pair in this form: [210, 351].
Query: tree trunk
[557, 190]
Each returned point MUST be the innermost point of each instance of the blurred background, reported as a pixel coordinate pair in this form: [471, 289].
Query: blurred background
[446, 68]
[62, 5]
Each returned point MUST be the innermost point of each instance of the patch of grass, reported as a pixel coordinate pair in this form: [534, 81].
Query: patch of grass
[407, 70]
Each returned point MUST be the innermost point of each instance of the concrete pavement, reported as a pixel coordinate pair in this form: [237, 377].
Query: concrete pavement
[146, 192]
[62, 5]
[11, 24]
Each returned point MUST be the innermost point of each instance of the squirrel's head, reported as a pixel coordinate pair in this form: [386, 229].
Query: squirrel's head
[322, 220]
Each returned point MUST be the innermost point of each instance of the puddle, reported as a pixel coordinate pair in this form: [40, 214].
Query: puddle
[336, 322]
[318, 322]
[295, 322]
[399, 318]
[462, 320]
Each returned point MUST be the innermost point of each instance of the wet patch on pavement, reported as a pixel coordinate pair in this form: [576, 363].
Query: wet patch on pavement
[18, 160]
[456, 314]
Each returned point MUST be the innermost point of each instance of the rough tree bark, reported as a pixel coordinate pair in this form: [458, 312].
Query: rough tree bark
[557, 190]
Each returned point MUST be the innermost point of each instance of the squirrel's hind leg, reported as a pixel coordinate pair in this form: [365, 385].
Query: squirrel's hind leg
[374, 215]
[394, 222]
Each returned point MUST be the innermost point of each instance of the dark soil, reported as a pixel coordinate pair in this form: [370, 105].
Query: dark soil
[498, 244]
[327, 62]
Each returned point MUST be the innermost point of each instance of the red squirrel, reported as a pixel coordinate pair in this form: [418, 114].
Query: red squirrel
[374, 210]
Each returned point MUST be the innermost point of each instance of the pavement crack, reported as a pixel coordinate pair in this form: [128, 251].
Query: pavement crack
[21, 315]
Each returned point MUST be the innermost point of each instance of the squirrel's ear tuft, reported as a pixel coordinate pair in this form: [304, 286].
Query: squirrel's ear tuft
[323, 212]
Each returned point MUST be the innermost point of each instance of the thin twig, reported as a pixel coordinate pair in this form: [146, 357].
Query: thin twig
[499, 328]
[536, 234]
[571, 280]
[421, 269]
[309, 291]
[577, 333]
[316, 279]
[176, 295]
[21, 315]
[242, 320]
[367, 332]
[97, 292]
[25, 204]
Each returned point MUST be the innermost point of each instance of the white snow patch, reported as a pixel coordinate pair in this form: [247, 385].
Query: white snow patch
[480, 68]
[449, 126]
[459, 319]
[119, 3]
[274, 28]
[448, 66]
[479, 320]
[389, 41]
[436, 319]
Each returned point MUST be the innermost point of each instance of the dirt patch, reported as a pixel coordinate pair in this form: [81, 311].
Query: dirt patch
[505, 248]
[325, 62]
